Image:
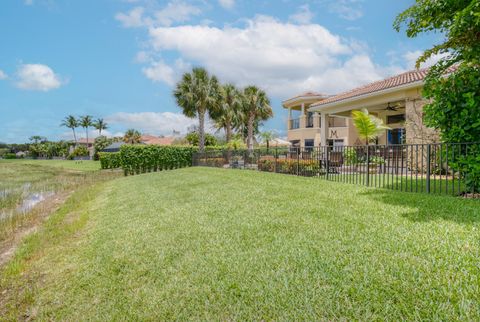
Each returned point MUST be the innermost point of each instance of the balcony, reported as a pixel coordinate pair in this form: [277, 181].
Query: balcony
[294, 124]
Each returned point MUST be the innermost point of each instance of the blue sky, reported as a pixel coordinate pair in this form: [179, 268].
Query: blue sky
[119, 59]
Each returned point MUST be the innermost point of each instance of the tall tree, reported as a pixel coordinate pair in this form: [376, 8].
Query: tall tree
[453, 84]
[100, 125]
[230, 111]
[71, 122]
[86, 122]
[256, 107]
[132, 136]
[369, 127]
[198, 94]
[37, 139]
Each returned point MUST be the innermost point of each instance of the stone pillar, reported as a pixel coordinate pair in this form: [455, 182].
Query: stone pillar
[289, 118]
[316, 120]
[323, 129]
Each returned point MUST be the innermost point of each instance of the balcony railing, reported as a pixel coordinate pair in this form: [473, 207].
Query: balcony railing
[310, 122]
[294, 124]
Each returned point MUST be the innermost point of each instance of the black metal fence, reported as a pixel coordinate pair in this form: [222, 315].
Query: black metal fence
[431, 168]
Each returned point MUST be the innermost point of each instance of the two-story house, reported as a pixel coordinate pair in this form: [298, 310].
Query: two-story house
[319, 120]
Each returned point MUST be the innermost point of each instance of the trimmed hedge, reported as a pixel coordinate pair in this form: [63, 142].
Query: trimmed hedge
[136, 159]
[110, 160]
[290, 166]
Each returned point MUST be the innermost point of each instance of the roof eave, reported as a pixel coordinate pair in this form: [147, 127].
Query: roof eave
[319, 106]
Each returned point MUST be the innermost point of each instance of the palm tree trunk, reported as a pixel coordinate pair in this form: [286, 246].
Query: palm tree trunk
[228, 130]
[201, 130]
[228, 133]
[250, 133]
[74, 136]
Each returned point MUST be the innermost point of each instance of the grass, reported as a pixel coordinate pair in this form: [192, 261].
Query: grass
[63, 164]
[214, 244]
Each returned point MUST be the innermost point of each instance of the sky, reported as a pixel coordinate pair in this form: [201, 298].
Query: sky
[120, 59]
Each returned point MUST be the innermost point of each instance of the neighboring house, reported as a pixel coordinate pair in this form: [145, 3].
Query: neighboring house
[88, 144]
[326, 120]
[145, 139]
[155, 140]
[20, 154]
[114, 147]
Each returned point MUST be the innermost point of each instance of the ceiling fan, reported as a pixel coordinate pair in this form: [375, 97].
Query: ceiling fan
[393, 107]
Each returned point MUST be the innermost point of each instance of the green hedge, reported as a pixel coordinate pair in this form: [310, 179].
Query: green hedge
[110, 160]
[136, 159]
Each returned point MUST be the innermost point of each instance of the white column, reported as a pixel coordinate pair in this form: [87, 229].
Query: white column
[323, 129]
[303, 109]
[289, 113]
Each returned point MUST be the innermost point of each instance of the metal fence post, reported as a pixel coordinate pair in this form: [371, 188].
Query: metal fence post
[429, 148]
[276, 159]
[327, 162]
[367, 181]
[298, 161]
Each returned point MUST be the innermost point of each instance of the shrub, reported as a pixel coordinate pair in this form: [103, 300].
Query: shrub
[290, 166]
[194, 139]
[110, 160]
[137, 159]
[350, 156]
[80, 151]
[10, 156]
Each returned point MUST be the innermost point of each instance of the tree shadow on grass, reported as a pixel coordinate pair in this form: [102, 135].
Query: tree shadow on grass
[422, 207]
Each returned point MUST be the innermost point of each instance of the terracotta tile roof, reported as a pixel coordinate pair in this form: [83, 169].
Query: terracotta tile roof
[84, 141]
[392, 82]
[306, 94]
[154, 140]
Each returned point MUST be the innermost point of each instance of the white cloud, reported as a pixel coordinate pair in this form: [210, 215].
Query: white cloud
[347, 9]
[37, 77]
[160, 72]
[174, 12]
[303, 15]
[411, 57]
[153, 123]
[28, 2]
[134, 18]
[3, 75]
[283, 58]
[227, 4]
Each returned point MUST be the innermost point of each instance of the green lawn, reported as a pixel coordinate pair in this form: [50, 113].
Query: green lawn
[63, 164]
[214, 244]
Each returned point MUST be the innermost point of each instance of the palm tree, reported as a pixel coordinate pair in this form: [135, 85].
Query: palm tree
[230, 110]
[256, 108]
[369, 127]
[132, 136]
[198, 94]
[100, 125]
[38, 138]
[267, 136]
[85, 122]
[72, 123]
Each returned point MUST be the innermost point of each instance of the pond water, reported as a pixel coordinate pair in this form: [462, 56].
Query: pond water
[27, 204]
[32, 200]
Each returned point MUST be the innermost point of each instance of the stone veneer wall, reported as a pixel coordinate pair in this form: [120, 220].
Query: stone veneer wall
[416, 131]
